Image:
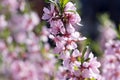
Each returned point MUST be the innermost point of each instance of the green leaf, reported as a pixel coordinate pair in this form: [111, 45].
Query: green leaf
[79, 59]
[76, 68]
[1, 7]
[1, 59]
[63, 3]
[47, 1]
[92, 79]
[86, 79]
[4, 34]
[89, 79]
[83, 53]
[50, 1]
[71, 11]
[87, 59]
[118, 32]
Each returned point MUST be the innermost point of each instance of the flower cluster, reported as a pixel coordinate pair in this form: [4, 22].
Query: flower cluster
[111, 61]
[75, 65]
[12, 6]
[25, 53]
[62, 27]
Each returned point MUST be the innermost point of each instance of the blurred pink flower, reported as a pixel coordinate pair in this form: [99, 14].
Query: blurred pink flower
[32, 20]
[3, 22]
[12, 5]
[111, 60]
[24, 70]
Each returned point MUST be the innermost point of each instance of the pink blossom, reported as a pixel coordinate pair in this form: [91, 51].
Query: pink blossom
[57, 27]
[24, 70]
[73, 18]
[105, 34]
[3, 46]
[74, 65]
[3, 22]
[20, 37]
[12, 5]
[110, 61]
[28, 22]
[44, 34]
[21, 4]
[32, 43]
[32, 21]
[93, 66]
[70, 28]
[70, 6]
[49, 13]
[71, 14]
[19, 24]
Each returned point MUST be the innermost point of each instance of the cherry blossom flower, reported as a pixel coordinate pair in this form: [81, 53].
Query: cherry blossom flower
[71, 14]
[49, 13]
[57, 27]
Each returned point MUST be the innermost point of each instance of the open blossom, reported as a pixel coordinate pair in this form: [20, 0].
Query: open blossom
[49, 13]
[64, 33]
[57, 27]
[92, 67]
[71, 14]
[70, 6]
[67, 41]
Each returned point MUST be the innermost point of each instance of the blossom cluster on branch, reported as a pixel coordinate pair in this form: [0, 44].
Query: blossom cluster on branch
[76, 65]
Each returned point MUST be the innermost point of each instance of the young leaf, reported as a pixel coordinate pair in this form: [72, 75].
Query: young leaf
[63, 3]
[49, 1]
[92, 79]
[83, 53]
